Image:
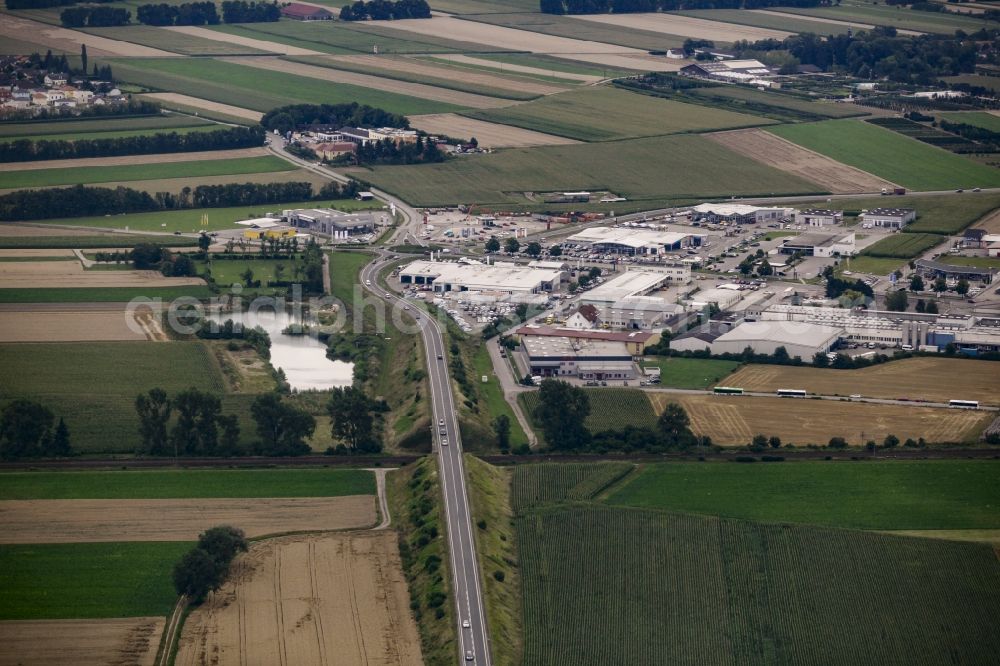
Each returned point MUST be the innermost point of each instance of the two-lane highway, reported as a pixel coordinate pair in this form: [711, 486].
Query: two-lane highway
[466, 585]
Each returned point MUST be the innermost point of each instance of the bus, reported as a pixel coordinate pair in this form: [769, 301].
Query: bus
[964, 404]
[727, 390]
[791, 393]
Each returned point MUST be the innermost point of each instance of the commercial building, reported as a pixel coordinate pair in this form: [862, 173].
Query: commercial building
[820, 245]
[626, 285]
[718, 296]
[623, 240]
[560, 356]
[887, 218]
[641, 313]
[445, 276]
[819, 217]
[739, 213]
[635, 341]
[764, 337]
[330, 222]
[734, 71]
[364, 136]
[936, 269]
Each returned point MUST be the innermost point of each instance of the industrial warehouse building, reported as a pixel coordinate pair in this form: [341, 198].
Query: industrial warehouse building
[800, 339]
[445, 276]
[739, 213]
[623, 240]
[936, 269]
[819, 217]
[887, 218]
[628, 284]
[820, 245]
[333, 223]
[733, 71]
[562, 356]
[635, 341]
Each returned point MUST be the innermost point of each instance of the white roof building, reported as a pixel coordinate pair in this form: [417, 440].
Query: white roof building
[628, 284]
[623, 240]
[507, 278]
[743, 213]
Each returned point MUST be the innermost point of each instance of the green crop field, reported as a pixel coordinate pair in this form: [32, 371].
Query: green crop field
[87, 580]
[787, 23]
[982, 80]
[978, 262]
[82, 126]
[83, 242]
[100, 294]
[677, 167]
[938, 214]
[553, 64]
[869, 265]
[610, 408]
[903, 246]
[259, 89]
[606, 113]
[83, 133]
[890, 155]
[895, 495]
[344, 270]
[176, 42]
[572, 28]
[188, 483]
[780, 104]
[537, 485]
[977, 118]
[617, 585]
[691, 373]
[90, 175]
[899, 17]
[63, 377]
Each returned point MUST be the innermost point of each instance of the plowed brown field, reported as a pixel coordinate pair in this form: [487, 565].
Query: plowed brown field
[70, 521]
[318, 599]
[774, 151]
[131, 641]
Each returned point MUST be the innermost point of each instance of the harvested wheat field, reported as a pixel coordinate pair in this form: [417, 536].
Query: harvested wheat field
[489, 135]
[82, 325]
[774, 151]
[828, 21]
[421, 90]
[37, 274]
[130, 641]
[686, 26]
[733, 421]
[127, 160]
[319, 599]
[73, 521]
[990, 222]
[487, 80]
[69, 41]
[931, 379]
[35, 253]
[207, 105]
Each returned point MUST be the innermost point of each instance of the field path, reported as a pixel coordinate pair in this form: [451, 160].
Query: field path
[138, 160]
[687, 26]
[63, 39]
[489, 135]
[262, 44]
[829, 21]
[208, 105]
[523, 69]
[420, 90]
[772, 150]
[383, 502]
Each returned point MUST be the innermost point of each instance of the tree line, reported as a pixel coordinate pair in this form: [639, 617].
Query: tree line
[238, 11]
[385, 10]
[204, 568]
[298, 116]
[630, 6]
[189, 13]
[94, 17]
[130, 108]
[388, 151]
[29, 430]
[26, 150]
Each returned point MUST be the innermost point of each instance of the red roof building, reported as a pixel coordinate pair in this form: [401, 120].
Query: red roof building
[301, 12]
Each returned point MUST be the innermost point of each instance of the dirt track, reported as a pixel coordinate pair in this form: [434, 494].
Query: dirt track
[323, 599]
[130, 641]
[73, 521]
[422, 68]
[774, 151]
[420, 90]
[489, 135]
[62, 39]
[208, 105]
[138, 160]
[686, 26]
[37, 274]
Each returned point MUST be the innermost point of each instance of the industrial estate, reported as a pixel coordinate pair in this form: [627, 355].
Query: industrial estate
[509, 332]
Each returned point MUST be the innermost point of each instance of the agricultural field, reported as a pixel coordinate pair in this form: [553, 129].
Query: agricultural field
[982, 119]
[734, 421]
[82, 642]
[889, 155]
[927, 134]
[100, 294]
[501, 177]
[319, 599]
[898, 17]
[534, 486]
[903, 246]
[870, 495]
[169, 40]
[607, 113]
[780, 593]
[136, 160]
[535, 64]
[981, 80]
[68, 41]
[978, 262]
[685, 26]
[924, 378]
[226, 113]
[77, 325]
[230, 271]
[690, 373]
[87, 126]
[260, 90]
[762, 146]
[610, 408]
[990, 222]
[68, 274]
[571, 27]
[782, 105]
[83, 133]
[149, 171]
[869, 265]
[489, 135]
[768, 19]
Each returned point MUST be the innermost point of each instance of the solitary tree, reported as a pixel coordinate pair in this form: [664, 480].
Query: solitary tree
[674, 427]
[774, 442]
[223, 543]
[204, 241]
[764, 268]
[501, 427]
[25, 426]
[890, 441]
[916, 283]
[896, 301]
[512, 246]
[921, 305]
[196, 575]
[555, 251]
[932, 307]
[940, 285]
[562, 410]
[493, 245]
[352, 420]
[759, 442]
[534, 249]
[59, 444]
[154, 409]
[962, 288]
[821, 360]
[837, 443]
[83, 58]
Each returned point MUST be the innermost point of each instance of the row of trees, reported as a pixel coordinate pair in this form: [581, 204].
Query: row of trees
[385, 10]
[28, 429]
[297, 116]
[388, 151]
[204, 568]
[94, 17]
[84, 201]
[189, 13]
[26, 150]
[239, 11]
[630, 6]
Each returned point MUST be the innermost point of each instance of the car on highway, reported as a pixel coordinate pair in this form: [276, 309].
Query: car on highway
[466, 624]
[440, 357]
[470, 655]
[441, 422]
[444, 441]
[368, 281]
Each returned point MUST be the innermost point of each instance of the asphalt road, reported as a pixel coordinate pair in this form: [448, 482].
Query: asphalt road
[466, 586]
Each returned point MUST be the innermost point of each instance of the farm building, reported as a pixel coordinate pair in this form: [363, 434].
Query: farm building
[936, 269]
[620, 240]
[444, 276]
[819, 217]
[734, 71]
[739, 213]
[301, 12]
[575, 357]
[628, 284]
[364, 136]
[635, 341]
[889, 218]
[764, 337]
[330, 222]
[820, 245]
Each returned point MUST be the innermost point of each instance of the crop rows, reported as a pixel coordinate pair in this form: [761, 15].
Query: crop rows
[534, 485]
[608, 586]
[903, 246]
